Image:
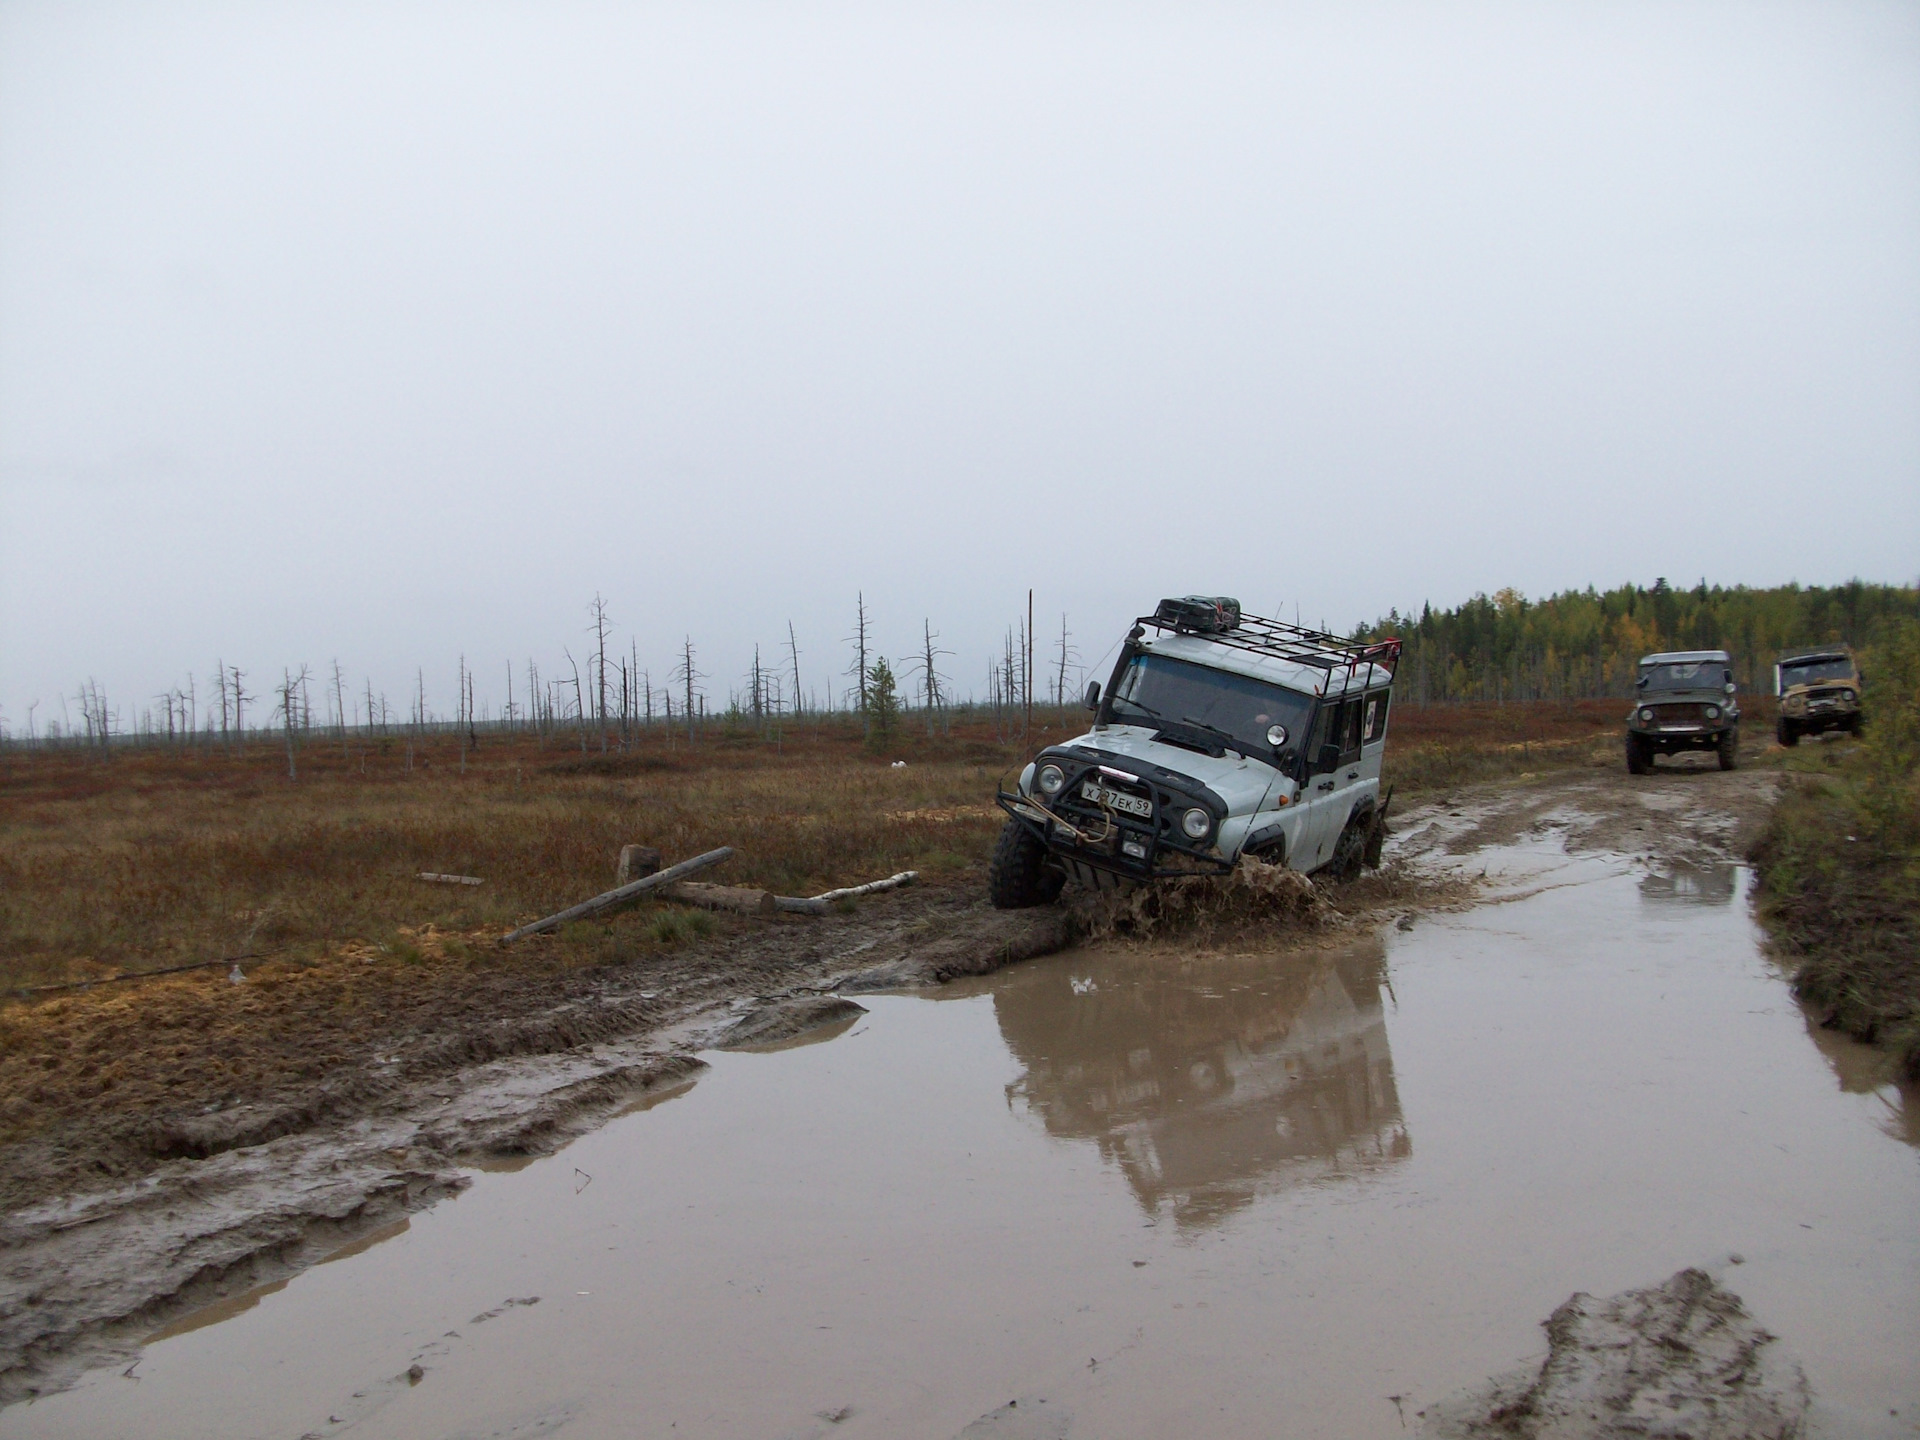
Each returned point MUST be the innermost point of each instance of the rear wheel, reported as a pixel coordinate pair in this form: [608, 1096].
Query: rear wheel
[1638, 761]
[1019, 875]
[1350, 850]
[1729, 749]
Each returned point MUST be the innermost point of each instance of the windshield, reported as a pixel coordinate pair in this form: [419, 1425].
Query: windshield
[1812, 672]
[1692, 675]
[1154, 688]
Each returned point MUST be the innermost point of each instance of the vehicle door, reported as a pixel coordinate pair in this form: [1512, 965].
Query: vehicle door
[1349, 776]
[1320, 794]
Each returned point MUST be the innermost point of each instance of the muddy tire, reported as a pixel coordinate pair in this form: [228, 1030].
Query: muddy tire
[1019, 876]
[1786, 732]
[1376, 840]
[1350, 850]
[1638, 761]
[1729, 750]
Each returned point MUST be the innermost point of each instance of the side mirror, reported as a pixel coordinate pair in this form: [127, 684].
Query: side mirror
[1093, 695]
[1329, 757]
[1641, 683]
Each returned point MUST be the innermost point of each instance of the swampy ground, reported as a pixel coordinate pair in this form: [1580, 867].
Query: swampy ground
[252, 1129]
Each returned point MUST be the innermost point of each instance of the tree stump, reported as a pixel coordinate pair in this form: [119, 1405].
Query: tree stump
[636, 863]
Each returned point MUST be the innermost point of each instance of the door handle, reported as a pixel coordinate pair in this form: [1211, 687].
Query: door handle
[1325, 785]
[1353, 774]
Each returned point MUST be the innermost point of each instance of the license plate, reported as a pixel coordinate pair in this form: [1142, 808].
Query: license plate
[1117, 800]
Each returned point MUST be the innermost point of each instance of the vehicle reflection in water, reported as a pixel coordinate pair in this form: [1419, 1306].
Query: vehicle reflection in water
[1682, 881]
[1209, 1080]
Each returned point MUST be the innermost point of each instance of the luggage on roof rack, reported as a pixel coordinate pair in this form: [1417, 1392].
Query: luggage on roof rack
[1202, 614]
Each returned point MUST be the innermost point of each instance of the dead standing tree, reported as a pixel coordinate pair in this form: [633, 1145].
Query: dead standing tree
[859, 669]
[688, 678]
[1067, 655]
[598, 609]
[933, 697]
[292, 711]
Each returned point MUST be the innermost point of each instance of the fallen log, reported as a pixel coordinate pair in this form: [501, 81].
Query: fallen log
[621, 894]
[739, 899]
[872, 887]
[821, 904]
[450, 879]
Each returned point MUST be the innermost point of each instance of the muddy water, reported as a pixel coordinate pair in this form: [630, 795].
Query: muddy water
[1133, 1194]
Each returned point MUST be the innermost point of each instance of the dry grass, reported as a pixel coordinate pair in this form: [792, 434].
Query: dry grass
[147, 860]
[152, 859]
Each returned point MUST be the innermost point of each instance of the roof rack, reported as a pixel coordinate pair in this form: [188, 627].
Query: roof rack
[1281, 641]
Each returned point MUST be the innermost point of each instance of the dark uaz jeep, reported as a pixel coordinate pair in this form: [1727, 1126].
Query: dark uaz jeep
[1686, 701]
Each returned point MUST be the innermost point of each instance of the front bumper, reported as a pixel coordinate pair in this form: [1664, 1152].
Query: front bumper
[1122, 848]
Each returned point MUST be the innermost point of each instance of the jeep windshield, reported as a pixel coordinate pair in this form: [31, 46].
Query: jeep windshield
[1208, 705]
[1687, 675]
[1815, 671]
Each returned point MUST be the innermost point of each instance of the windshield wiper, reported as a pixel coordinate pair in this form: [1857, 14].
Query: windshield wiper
[1227, 741]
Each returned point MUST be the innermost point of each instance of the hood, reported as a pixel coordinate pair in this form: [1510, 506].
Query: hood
[1242, 783]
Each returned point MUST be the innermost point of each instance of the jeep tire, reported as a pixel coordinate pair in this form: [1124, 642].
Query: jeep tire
[1638, 761]
[1350, 850]
[1018, 875]
[1787, 732]
[1729, 749]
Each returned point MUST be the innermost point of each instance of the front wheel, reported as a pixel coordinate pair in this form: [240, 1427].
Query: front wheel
[1019, 875]
[1729, 749]
[1638, 762]
[1787, 732]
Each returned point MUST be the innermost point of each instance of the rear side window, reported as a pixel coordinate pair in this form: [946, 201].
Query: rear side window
[1375, 720]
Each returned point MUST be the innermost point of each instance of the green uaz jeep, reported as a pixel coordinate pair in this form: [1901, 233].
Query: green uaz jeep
[1686, 700]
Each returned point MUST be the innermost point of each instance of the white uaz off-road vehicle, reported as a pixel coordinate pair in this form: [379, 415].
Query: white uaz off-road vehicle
[1219, 735]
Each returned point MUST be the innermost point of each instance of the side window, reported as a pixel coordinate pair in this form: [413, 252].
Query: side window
[1351, 715]
[1375, 723]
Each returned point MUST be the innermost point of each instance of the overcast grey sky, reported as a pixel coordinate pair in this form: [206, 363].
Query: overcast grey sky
[392, 332]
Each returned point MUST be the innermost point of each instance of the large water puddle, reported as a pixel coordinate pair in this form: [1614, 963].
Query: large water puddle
[1134, 1193]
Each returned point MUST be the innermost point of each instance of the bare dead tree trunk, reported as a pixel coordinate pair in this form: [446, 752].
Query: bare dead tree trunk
[793, 654]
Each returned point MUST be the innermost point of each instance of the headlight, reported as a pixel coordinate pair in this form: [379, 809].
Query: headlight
[1846, 694]
[1713, 712]
[1051, 778]
[1196, 822]
[1646, 714]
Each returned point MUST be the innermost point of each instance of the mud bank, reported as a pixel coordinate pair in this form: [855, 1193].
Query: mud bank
[1681, 1358]
[115, 1230]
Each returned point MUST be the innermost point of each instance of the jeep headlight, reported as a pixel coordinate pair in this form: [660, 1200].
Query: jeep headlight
[1713, 713]
[1846, 694]
[1646, 713]
[1196, 822]
[1051, 778]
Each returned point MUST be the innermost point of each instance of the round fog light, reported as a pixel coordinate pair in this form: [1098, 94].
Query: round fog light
[1196, 822]
[1051, 778]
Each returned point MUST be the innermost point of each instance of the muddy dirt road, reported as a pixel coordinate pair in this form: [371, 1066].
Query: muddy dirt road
[1186, 1164]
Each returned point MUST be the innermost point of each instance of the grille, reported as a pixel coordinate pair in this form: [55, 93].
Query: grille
[1679, 714]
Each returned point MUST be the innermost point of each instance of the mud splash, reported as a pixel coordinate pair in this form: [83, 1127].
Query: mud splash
[1133, 1192]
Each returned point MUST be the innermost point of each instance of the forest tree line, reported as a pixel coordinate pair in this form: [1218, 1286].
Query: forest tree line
[1585, 644]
